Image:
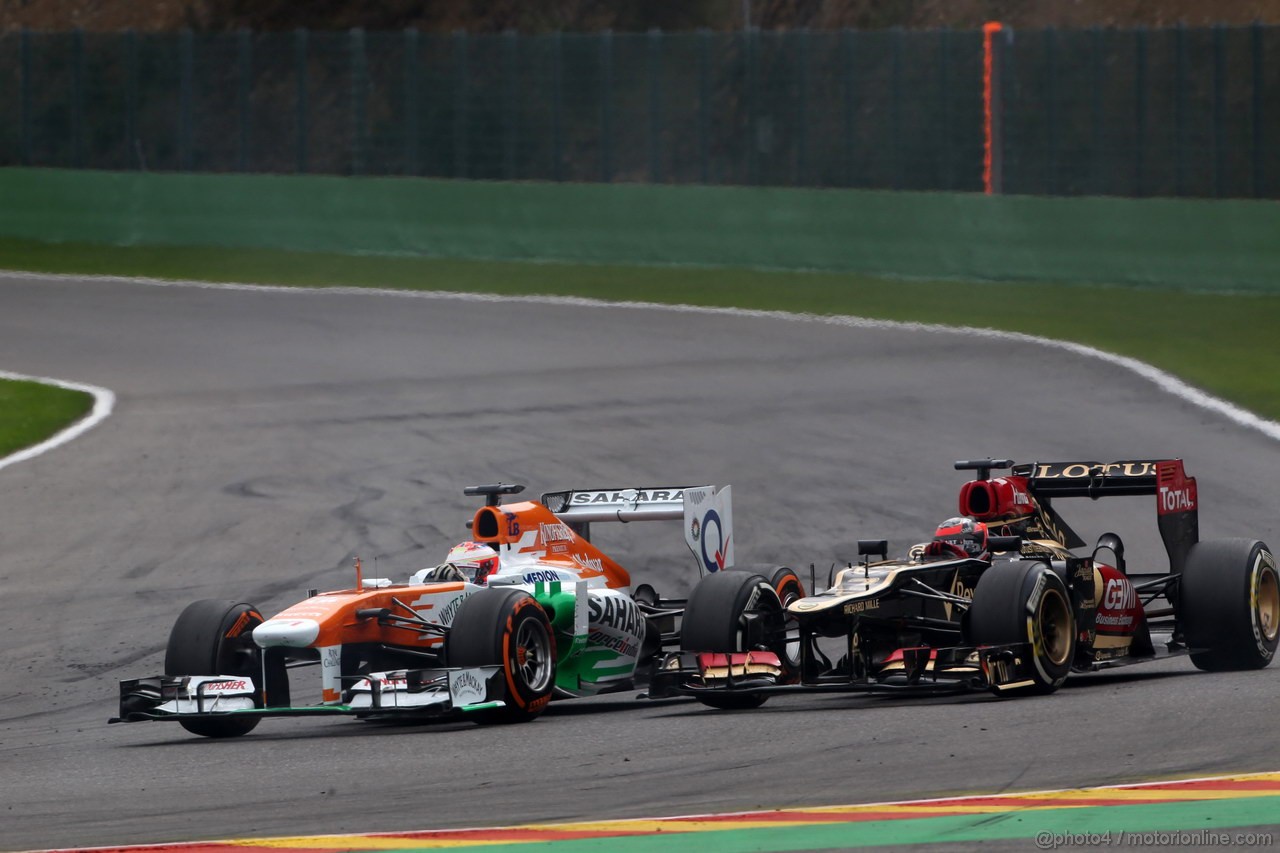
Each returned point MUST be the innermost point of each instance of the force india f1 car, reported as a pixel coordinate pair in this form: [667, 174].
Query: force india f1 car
[999, 600]
[546, 615]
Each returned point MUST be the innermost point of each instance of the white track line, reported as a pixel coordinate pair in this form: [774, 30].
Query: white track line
[1166, 382]
[104, 400]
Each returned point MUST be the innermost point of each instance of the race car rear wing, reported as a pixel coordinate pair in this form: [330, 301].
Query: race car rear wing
[1177, 508]
[645, 504]
[1093, 479]
[707, 515]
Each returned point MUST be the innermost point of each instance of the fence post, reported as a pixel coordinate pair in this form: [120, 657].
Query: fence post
[461, 155]
[410, 101]
[300, 99]
[1140, 110]
[704, 104]
[509, 46]
[186, 61]
[606, 106]
[655, 106]
[557, 106]
[1255, 32]
[77, 98]
[1179, 108]
[244, 53]
[850, 102]
[993, 107]
[1219, 106]
[358, 107]
[132, 144]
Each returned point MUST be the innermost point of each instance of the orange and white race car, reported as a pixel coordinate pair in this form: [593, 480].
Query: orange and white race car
[528, 610]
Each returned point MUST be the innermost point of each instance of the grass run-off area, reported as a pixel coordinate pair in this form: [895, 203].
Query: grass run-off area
[30, 412]
[1226, 344]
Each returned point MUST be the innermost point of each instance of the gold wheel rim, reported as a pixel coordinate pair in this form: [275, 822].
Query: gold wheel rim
[1267, 602]
[1054, 618]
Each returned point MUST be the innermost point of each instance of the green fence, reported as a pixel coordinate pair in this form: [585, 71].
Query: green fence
[1103, 112]
[1195, 243]
[1171, 112]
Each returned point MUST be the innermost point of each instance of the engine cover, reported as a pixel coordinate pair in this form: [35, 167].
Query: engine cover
[1001, 499]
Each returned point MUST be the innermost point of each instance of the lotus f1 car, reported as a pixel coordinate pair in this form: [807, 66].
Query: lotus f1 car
[999, 600]
[545, 614]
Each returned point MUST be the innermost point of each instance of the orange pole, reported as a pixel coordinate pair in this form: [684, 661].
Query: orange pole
[989, 30]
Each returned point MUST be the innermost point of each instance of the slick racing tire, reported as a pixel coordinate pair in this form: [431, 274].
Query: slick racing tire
[1026, 603]
[714, 622]
[1229, 604]
[507, 628]
[215, 637]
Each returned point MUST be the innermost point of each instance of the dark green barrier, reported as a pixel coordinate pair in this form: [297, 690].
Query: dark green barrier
[1173, 111]
[1223, 245]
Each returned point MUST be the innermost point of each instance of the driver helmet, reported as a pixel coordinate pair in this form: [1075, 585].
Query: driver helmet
[476, 561]
[962, 536]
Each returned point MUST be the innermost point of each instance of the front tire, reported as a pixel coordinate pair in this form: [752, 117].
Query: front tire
[715, 621]
[215, 637]
[1026, 603]
[507, 628]
[1229, 602]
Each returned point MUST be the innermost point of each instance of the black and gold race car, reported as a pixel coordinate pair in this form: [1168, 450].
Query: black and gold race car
[1001, 599]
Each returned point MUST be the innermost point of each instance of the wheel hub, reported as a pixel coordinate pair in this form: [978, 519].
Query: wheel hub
[1267, 603]
[533, 655]
[1054, 617]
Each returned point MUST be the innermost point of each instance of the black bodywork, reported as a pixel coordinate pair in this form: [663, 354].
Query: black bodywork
[905, 623]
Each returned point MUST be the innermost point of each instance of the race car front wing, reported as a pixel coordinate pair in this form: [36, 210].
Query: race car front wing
[924, 670]
[413, 692]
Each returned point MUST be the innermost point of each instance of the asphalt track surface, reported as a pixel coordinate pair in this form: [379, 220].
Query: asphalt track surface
[262, 439]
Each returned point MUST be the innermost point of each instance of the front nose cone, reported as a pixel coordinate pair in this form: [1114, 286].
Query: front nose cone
[294, 633]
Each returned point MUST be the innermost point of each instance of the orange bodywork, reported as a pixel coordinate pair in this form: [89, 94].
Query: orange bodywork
[520, 532]
[530, 529]
[335, 612]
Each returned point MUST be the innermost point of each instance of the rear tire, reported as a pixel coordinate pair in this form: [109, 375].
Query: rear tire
[789, 588]
[1229, 603]
[786, 584]
[1026, 603]
[507, 628]
[215, 637]
[713, 622]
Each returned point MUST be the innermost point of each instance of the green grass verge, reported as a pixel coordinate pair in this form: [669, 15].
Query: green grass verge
[1224, 343]
[30, 412]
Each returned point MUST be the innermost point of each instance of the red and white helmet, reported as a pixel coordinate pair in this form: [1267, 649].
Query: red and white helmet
[475, 560]
[964, 536]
